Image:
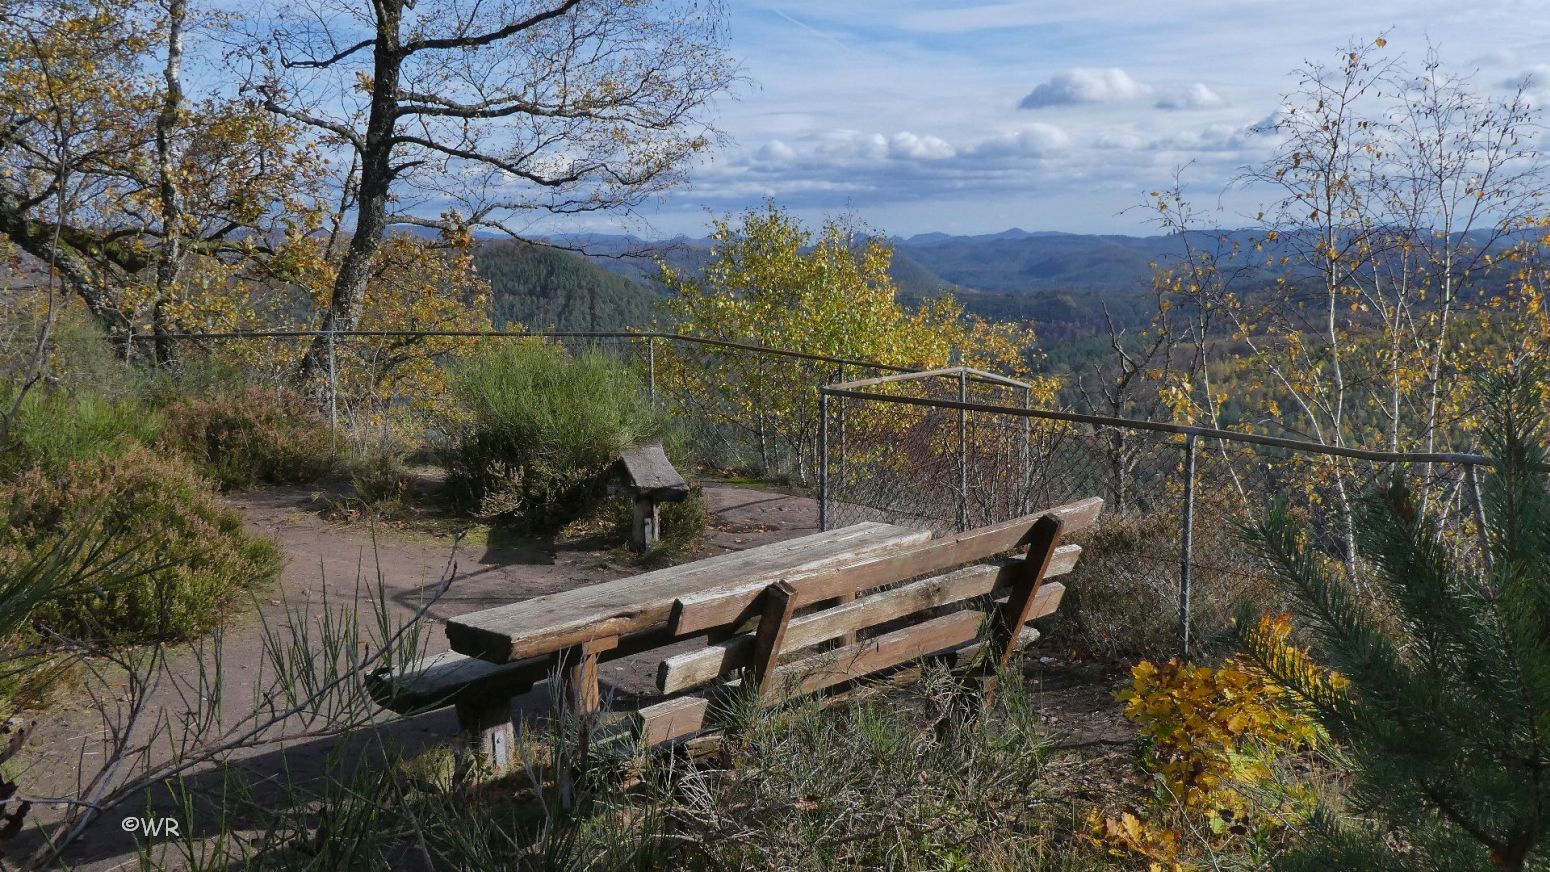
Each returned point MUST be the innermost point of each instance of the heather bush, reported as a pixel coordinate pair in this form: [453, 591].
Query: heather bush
[539, 428]
[241, 437]
[380, 481]
[186, 559]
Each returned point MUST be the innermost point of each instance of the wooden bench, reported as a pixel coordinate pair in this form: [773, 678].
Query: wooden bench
[760, 612]
[650, 480]
[482, 689]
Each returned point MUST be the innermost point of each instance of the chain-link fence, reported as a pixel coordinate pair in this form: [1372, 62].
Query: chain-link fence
[956, 449]
[742, 409]
[945, 449]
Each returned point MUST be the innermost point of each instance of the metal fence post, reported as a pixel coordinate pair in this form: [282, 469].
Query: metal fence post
[333, 389]
[1187, 538]
[1027, 502]
[963, 452]
[840, 417]
[823, 459]
[651, 368]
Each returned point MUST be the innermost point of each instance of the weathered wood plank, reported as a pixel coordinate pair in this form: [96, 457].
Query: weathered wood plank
[815, 673]
[693, 668]
[684, 716]
[966, 655]
[546, 624]
[649, 474]
[449, 678]
[671, 720]
[732, 602]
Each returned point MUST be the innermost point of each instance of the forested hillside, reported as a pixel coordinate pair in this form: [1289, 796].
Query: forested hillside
[550, 289]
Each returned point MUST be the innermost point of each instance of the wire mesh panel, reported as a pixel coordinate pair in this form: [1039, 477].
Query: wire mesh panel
[740, 409]
[1169, 557]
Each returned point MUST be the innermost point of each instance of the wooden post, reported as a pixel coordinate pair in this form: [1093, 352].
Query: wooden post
[848, 639]
[580, 662]
[779, 605]
[647, 524]
[1019, 604]
[487, 731]
[585, 698]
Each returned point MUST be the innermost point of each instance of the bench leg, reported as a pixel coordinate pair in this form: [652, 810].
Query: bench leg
[585, 698]
[487, 732]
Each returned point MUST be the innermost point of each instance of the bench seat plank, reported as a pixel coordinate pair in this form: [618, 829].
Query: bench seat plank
[635, 604]
[449, 678]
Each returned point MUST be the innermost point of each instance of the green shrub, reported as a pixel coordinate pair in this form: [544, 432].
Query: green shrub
[683, 526]
[186, 557]
[380, 481]
[1447, 655]
[243, 437]
[541, 428]
[56, 427]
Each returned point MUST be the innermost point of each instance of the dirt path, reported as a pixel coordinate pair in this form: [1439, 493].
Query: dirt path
[329, 564]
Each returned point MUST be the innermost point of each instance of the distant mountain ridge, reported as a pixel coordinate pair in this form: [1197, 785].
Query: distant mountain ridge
[1010, 261]
[600, 281]
[1063, 282]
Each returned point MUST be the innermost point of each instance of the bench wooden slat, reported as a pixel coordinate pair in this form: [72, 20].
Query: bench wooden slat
[673, 719]
[644, 602]
[820, 671]
[732, 602]
[449, 678]
[694, 668]
[686, 715]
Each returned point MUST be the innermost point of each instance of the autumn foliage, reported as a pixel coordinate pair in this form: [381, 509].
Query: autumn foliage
[774, 282]
[1218, 740]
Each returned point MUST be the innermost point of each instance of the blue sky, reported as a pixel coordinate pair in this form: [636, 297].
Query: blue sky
[974, 117]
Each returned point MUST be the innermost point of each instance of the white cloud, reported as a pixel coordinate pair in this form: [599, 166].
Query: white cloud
[1195, 96]
[907, 146]
[776, 152]
[1085, 85]
[1212, 137]
[847, 145]
[1269, 125]
[1035, 140]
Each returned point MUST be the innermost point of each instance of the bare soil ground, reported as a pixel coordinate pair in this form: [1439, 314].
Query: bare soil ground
[329, 564]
